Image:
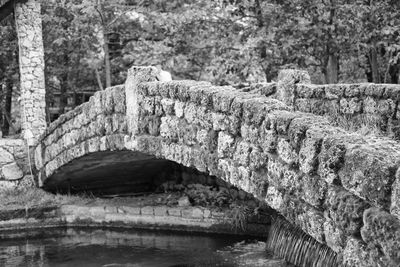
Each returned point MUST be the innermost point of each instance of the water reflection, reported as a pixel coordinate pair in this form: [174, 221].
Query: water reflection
[111, 248]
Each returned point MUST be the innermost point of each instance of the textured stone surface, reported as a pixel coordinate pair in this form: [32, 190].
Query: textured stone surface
[14, 164]
[366, 103]
[287, 83]
[12, 171]
[358, 254]
[381, 230]
[31, 63]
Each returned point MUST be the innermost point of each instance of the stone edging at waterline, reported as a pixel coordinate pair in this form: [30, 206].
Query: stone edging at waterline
[197, 219]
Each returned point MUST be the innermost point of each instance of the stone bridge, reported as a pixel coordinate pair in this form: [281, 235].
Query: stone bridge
[339, 187]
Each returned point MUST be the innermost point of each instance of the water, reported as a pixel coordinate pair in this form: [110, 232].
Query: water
[292, 244]
[111, 248]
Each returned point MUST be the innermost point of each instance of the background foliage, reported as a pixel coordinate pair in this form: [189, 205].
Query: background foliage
[89, 44]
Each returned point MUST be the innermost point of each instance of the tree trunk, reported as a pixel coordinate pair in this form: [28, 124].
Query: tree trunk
[332, 69]
[394, 70]
[7, 106]
[107, 64]
[373, 62]
[98, 79]
[64, 87]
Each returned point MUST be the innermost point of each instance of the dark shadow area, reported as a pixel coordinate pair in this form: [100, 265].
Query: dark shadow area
[127, 173]
[110, 172]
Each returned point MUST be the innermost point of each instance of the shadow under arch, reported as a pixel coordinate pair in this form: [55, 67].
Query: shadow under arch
[123, 172]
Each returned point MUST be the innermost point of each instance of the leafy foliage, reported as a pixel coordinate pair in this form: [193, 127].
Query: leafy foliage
[223, 41]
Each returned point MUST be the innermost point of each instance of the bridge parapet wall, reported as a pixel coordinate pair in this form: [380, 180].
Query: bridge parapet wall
[362, 104]
[338, 187]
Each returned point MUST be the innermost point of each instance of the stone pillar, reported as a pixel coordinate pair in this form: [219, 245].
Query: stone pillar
[31, 64]
[135, 76]
[287, 80]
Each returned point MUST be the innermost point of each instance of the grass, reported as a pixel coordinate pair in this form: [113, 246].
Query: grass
[366, 125]
[35, 197]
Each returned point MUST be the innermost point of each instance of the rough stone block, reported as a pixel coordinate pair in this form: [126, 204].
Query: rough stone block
[258, 184]
[309, 219]
[357, 254]
[221, 122]
[179, 109]
[168, 106]
[257, 158]
[12, 171]
[350, 106]
[374, 90]
[291, 180]
[250, 133]
[313, 190]
[8, 185]
[392, 91]
[369, 172]
[147, 210]
[274, 198]
[268, 139]
[207, 213]
[275, 170]
[282, 119]
[286, 152]
[223, 99]
[169, 128]
[287, 80]
[352, 90]
[192, 213]
[382, 230]
[305, 90]
[386, 107]
[225, 145]
[5, 156]
[370, 105]
[160, 211]
[335, 238]
[331, 158]
[187, 133]
[176, 212]
[334, 91]
[207, 139]
[131, 210]
[302, 105]
[242, 153]
[345, 210]
[310, 149]
[217, 214]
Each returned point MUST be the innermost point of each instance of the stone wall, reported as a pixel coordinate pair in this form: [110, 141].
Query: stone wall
[340, 188]
[130, 215]
[14, 165]
[362, 104]
[31, 63]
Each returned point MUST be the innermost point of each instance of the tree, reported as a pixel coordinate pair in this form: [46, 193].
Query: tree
[8, 72]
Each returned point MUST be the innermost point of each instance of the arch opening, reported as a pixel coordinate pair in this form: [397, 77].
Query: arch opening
[131, 173]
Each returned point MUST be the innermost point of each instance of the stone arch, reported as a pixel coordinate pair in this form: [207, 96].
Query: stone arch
[95, 126]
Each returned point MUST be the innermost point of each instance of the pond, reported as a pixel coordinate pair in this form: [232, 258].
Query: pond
[127, 247]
